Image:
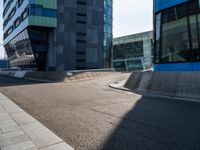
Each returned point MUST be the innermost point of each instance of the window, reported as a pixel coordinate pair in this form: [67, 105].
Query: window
[177, 36]
[80, 14]
[6, 8]
[12, 13]
[5, 22]
[81, 53]
[157, 29]
[175, 41]
[25, 14]
[38, 11]
[4, 1]
[49, 12]
[81, 2]
[81, 41]
[10, 30]
[81, 34]
[19, 2]
[17, 22]
[81, 22]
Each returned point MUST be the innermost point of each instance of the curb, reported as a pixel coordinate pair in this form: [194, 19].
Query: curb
[155, 95]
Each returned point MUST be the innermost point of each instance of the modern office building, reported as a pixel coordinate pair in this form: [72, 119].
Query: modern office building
[58, 34]
[133, 52]
[177, 35]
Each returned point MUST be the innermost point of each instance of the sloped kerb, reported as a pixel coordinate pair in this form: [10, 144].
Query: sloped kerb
[182, 85]
[134, 80]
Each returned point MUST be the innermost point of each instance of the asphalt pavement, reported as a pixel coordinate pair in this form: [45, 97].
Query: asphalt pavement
[89, 115]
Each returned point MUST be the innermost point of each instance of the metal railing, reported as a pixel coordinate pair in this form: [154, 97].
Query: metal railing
[90, 70]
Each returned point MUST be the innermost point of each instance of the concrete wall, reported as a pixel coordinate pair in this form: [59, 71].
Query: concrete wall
[173, 84]
[49, 76]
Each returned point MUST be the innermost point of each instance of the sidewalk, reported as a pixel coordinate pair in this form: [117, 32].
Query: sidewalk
[20, 131]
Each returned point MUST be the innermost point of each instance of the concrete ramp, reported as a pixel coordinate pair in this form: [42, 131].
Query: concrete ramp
[173, 84]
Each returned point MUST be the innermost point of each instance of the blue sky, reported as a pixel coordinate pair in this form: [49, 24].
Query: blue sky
[130, 16]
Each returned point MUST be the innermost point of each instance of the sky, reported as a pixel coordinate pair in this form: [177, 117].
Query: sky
[129, 17]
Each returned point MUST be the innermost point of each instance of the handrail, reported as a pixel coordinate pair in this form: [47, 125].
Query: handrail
[90, 70]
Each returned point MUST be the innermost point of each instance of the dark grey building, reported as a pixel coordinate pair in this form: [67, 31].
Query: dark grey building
[58, 34]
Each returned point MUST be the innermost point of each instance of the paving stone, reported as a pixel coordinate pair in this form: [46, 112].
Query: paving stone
[12, 134]
[10, 107]
[33, 149]
[59, 146]
[20, 131]
[20, 146]
[4, 116]
[40, 135]
[2, 110]
[10, 129]
[13, 138]
[3, 97]
[22, 118]
[4, 124]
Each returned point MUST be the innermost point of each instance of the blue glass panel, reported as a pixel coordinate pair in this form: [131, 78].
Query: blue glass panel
[49, 12]
[173, 67]
[163, 4]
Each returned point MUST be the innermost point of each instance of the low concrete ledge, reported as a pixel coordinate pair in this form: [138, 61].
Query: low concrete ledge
[69, 76]
[171, 84]
[47, 76]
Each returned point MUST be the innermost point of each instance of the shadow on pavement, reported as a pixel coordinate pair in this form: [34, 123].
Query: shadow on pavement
[11, 81]
[158, 124]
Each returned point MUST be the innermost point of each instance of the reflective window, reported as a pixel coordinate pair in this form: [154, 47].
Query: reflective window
[25, 14]
[49, 12]
[175, 42]
[19, 51]
[107, 33]
[194, 32]
[19, 2]
[179, 37]
[128, 50]
[38, 11]
[158, 27]
[17, 22]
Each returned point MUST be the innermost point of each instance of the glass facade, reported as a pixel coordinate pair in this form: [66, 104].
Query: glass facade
[19, 51]
[177, 36]
[107, 45]
[38, 35]
[26, 26]
[133, 52]
[4, 64]
[128, 50]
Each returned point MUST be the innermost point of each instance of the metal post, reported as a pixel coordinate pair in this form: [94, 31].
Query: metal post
[126, 64]
[142, 60]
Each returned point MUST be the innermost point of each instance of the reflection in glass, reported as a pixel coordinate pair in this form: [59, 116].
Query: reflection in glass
[20, 52]
[177, 36]
[175, 42]
[107, 43]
